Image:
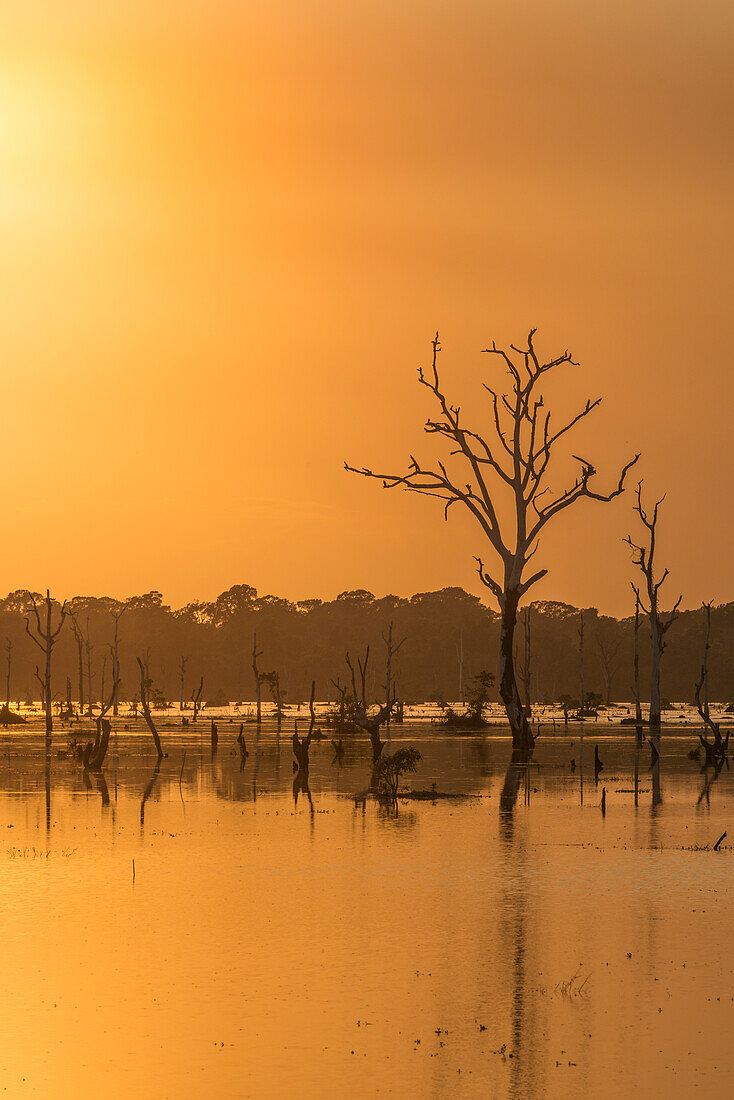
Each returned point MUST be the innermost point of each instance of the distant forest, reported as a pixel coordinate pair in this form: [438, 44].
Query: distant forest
[308, 640]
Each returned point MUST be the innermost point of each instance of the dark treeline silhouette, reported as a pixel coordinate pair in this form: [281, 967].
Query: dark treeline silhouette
[450, 637]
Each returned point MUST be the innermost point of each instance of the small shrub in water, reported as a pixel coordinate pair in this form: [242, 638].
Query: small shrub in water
[391, 767]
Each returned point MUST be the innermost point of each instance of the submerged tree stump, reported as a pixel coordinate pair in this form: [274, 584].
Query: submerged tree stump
[301, 745]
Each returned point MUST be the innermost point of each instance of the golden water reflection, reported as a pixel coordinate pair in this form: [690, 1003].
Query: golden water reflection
[281, 939]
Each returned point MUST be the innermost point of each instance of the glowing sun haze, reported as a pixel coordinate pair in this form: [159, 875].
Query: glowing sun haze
[231, 229]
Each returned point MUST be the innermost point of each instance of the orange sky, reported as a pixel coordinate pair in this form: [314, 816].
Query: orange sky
[230, 229]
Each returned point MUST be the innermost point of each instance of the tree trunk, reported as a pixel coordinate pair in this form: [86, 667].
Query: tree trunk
[81, 675]
[7, 685]
[146, 711]
[116, 664]
[300, 751]
[90, 703]
[638, 705]
[377, 745]
[115, 680]
[47, 693]
[95, 757]
[278, 704]
[655, 683]
[522, 737]
[388, 674]
[581, 665]
[526, 663]
[258, 681]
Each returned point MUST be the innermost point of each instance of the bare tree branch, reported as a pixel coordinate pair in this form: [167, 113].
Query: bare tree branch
[509, 461]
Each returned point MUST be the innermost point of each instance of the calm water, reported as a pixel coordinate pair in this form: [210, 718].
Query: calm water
[454, 949]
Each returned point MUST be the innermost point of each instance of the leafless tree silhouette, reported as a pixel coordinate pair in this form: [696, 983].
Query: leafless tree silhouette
[258, 679]
[102, 681]
[182, 677]
[79, 639]
[9, 649]
[638, 704]
[526, 660]
[45, 638]
[581, 664]
[391, 651]
[88, 647]
[460, 662]
[705, 670]
[116, 614]
[303, 744]
[144, 687]
[608, 650]
[92, 755]
[272, 679]
[717, 746]
[660, 623]
[196, 699]
[362, 718]
[512, 457]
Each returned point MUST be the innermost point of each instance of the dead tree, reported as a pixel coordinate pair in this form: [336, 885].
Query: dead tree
[240, 679]
[79, 639]
[42, 685]
[144, 687]
[511, 458]
[660, 623]
[360, 715]
[88, 647]
[715, 747]
[92, 756]
[182, 677]
[196, 699]
[45, 638]
[272, 679]
[101, 686]
[258, 679]
[607, 653]
[460, 661]
[391, 651]
[9, 649]
[706, 648]
[302, 745]
[638, 703]
[115, 654]
[581, 664]
[526, 660]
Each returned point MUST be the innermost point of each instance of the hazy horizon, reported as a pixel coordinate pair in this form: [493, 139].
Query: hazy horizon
[479, 592]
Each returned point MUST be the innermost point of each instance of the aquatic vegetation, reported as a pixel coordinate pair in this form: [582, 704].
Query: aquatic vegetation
[390, 769]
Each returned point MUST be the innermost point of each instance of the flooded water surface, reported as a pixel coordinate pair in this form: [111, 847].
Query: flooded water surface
[193, 930]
